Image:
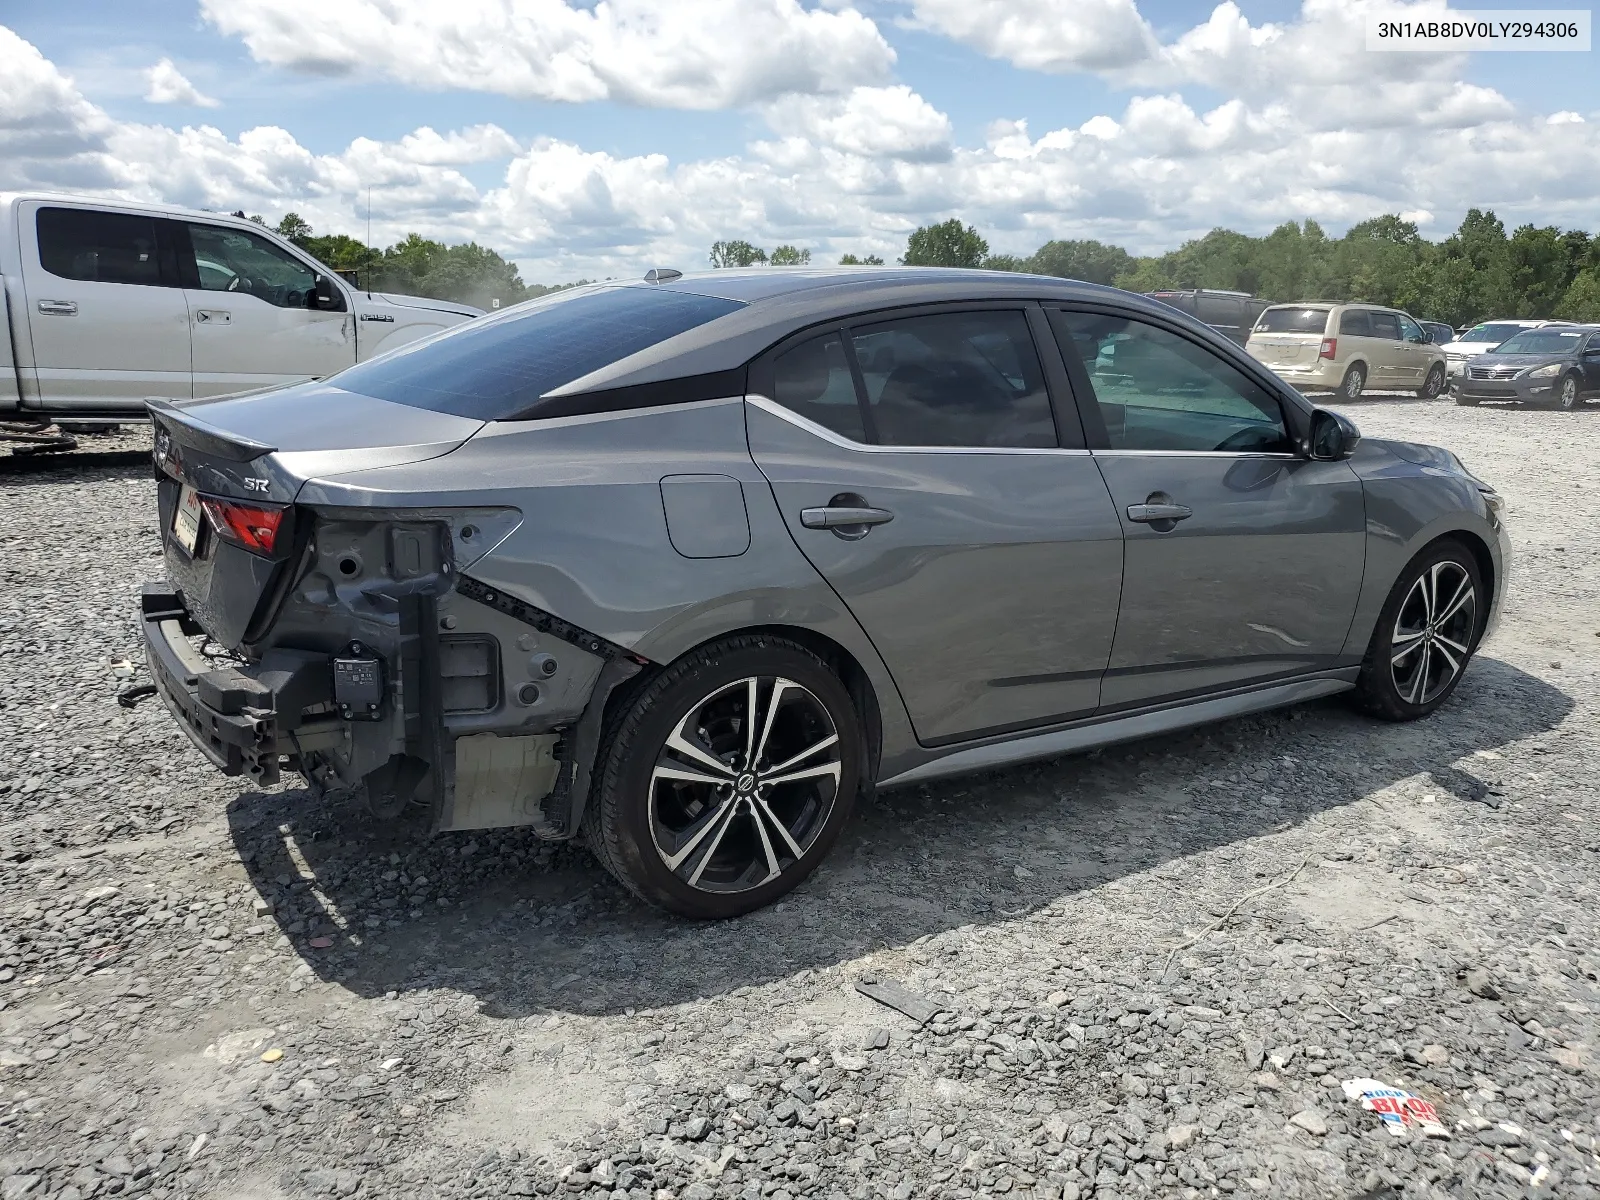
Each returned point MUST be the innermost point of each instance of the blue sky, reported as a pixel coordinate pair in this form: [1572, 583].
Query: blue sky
[1244, 115]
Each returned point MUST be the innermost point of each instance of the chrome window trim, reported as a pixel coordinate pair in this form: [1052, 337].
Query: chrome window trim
[1277, 454]
[767, 405]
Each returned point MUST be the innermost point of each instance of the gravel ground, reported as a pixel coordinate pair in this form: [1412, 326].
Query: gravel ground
[204, 993]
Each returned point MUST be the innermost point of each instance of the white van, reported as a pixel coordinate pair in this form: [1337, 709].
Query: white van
[108, 304]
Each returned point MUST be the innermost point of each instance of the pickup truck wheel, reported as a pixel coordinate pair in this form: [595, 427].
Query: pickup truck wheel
[1426, 634]
[724, 780]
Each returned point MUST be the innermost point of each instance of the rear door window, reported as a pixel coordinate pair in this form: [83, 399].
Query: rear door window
[1293, 320]
[813, 379]
[1158, 391]
[1221, 310]
[497, 368]
[1355, 322]
[955, 379]
[104, 247]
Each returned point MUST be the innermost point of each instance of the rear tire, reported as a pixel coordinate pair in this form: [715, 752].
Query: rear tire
[1433, 384]
[700, 809]
[1354, 382]
[1425, 635]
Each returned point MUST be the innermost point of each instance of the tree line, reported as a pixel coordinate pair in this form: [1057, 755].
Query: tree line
[467, 273]
[1477, 273]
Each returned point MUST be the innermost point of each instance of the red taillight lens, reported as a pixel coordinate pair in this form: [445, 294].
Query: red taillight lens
[1330, 348]
[244, 524]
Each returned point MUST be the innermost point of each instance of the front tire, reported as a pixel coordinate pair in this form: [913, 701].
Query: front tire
[1354, 383]
[1433, 384]
[1567, 397]
[724, 780]
[1426, 634]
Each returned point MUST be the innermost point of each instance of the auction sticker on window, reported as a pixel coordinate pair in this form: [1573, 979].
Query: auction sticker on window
[1481, 29]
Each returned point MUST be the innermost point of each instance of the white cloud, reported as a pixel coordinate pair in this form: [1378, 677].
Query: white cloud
[1045, 35]
[873, 122]
[168, 85]
[694, 54]
[853, 172]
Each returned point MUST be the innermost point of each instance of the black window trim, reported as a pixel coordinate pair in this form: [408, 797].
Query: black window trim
[1294, 409]
[1063, 409]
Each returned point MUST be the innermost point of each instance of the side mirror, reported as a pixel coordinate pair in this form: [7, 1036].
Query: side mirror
[326, 297]
[1334, 436]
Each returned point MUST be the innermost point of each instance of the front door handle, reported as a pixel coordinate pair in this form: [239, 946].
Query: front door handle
[58, 308]
[213, 316]
[1150, 514]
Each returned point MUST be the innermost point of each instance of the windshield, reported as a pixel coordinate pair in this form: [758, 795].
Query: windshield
[1293, 320]
[1542, 341]
[497, 368]
[1495, 331]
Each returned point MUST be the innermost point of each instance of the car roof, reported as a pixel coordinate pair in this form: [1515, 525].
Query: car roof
[779, 301]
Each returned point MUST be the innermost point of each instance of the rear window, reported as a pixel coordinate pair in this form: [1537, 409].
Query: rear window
[104, 247]
[1542, 341]
[1293, 320]
[497, 369]
[1493, 332]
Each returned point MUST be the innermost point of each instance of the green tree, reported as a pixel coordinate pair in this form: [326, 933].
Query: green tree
[296, 228]
[850, 260]
[1582, 301]
[790, 256]
[1089, 261]
[739, 253]
[1005, 262]
[948, 244]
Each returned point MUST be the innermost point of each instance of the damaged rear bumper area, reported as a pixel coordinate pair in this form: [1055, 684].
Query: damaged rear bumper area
[414, 716]
[234, 712]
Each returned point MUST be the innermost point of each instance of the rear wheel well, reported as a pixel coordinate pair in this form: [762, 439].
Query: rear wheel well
[843, 664]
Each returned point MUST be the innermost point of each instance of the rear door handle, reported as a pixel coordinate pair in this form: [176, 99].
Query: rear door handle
[58, 308]
[835, 516]
[1145, 514]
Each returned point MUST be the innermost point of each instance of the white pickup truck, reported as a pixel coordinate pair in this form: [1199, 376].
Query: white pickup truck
[104, 305]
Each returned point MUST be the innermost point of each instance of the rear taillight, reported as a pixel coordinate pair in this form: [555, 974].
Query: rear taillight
[1330, 348]
[246, 525]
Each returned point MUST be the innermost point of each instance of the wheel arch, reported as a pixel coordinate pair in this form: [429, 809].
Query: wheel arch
[840, 660]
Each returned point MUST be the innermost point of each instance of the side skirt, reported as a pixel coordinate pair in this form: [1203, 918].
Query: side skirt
[1127, 728]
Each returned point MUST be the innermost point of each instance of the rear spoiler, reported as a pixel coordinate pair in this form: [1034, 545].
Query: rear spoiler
[189, 431]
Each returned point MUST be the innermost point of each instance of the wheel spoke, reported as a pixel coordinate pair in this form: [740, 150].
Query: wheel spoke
[718, 815]
[1464, 593]
[773, 870]
[677, 741]
[1430, 591]
[1407, 652]
[830, 768]
[683, 774]
[752, 705]
[1453, 662]
[711, 850]
[830, 740]
[1419, 679]
[778, 688]
[783, 830]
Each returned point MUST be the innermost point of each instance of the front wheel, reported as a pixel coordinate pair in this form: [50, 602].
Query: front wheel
[1426, 634]
[1355, 382]
[725, 779]
[1433, 384]
[1567, 397]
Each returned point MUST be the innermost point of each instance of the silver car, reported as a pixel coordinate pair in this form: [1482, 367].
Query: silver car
[686, 565]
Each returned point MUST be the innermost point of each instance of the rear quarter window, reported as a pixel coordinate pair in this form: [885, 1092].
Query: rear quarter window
[1293, 320]
[103, 247]
[497, 369]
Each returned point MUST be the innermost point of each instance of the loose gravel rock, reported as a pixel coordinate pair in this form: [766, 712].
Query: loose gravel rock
[205, 992]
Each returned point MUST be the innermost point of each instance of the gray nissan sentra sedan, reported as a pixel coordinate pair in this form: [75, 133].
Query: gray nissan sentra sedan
[1556, 366]
[684, 565]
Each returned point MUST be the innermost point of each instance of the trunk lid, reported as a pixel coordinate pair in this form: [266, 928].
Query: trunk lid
[237, 463]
